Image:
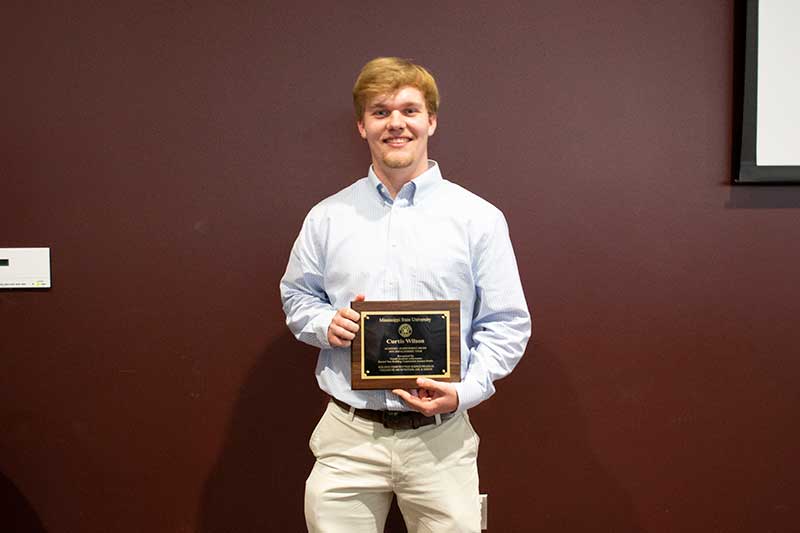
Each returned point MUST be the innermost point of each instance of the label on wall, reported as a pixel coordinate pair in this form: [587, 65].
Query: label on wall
[24, 268]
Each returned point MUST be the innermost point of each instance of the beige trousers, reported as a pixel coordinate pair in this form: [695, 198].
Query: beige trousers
[433, 471]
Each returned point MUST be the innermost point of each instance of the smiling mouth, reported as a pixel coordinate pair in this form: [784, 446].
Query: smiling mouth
[397, 141]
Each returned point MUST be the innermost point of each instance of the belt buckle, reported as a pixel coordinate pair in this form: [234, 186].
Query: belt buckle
[390, 419]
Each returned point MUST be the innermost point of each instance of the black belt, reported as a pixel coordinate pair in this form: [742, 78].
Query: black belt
[394, 419]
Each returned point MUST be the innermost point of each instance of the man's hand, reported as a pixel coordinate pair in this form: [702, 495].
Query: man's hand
[432, 398]
[344, 326]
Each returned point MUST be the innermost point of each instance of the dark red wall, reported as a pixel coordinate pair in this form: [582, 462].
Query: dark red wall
[167, 153]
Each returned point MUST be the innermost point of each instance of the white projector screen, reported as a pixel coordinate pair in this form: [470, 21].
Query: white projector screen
[770, 150]
[778, 111]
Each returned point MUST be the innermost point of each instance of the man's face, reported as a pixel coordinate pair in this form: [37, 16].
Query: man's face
[396, 127]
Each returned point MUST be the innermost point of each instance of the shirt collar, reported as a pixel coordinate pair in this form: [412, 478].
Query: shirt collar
[420, 187]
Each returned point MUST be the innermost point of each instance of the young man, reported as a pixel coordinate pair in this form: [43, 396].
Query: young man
[401, 233]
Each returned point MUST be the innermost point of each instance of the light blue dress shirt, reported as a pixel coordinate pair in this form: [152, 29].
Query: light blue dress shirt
[434, 241]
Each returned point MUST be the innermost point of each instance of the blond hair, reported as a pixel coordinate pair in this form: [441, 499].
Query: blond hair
[386, 75]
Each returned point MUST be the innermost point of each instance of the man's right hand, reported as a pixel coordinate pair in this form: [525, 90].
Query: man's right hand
[344, 326]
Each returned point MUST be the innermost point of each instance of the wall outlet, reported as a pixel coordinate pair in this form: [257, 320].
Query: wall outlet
[484, 511]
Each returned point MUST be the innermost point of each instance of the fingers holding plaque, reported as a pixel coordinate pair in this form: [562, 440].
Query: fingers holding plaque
[399, 341]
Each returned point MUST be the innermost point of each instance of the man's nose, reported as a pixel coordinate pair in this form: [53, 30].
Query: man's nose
[396, 120]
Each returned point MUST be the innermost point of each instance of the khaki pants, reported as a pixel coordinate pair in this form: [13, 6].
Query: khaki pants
[433, 471]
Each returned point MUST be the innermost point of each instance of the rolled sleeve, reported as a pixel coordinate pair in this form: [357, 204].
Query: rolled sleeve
[501, 326]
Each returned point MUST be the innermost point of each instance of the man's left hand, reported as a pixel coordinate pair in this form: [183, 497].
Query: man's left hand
[432, 398]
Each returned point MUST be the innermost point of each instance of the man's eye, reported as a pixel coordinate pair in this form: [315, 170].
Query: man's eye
[412, 111]
[381, 113]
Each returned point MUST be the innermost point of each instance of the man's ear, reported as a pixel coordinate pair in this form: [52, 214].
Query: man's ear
[431, 124]
[361, 129]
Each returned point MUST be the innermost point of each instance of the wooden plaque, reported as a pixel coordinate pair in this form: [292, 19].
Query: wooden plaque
[399, 341]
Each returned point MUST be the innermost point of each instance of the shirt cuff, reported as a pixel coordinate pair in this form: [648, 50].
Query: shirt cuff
[321, 324]
[469, 395]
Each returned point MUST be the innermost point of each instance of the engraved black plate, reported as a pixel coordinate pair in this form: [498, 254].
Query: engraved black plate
[400, 341]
